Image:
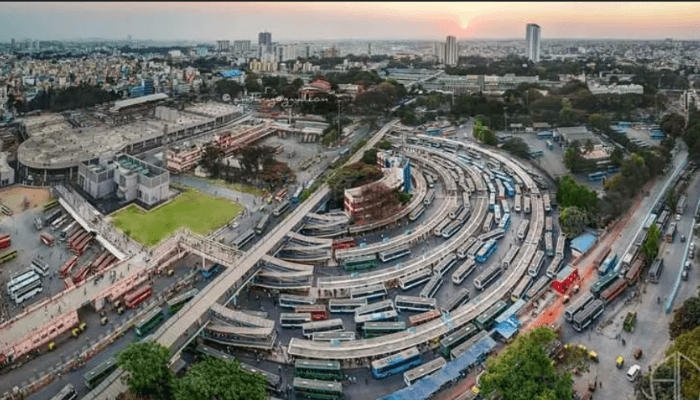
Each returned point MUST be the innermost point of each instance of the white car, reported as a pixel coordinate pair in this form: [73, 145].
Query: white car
[678, 217]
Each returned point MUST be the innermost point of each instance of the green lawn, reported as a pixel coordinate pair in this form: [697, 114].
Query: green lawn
[197, 211]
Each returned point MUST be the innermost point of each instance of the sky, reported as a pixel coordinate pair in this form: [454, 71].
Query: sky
[350, 20]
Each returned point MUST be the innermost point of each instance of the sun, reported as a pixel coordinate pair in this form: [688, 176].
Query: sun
[465, 25]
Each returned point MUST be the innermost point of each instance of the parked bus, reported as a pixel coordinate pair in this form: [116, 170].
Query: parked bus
[394, 254]
[147, 323]
[537, 287]
[494, 234]
[526, 204]
[244, 238]
[376, 317]
[603, 283]
[585, 317]
[489, 275]
[486, 251]
[522, 229]
[521, 288]
[505, 222]
[326, 370]
[536, 264]
[279, 196]
[361, 263]
[340, 244]
[431, 287]
[518, 202]
[381, 306]
[657, 266]
[597, 176]
[510, 257]
[345, 306]
[458, 337]
[578, 305]
[468, 345]
[548, 246]
[281, 209]
[554, 266]
[424, 370]
[331, 325]
[260, 228]
[396, 363]
[429, 197]
[293, 301]
[452, 228]
[413, 303]
[294, 320]
[486, 319]
[671, 232]
[175, 304]
[333, 337]
[445, 264]
[548, 224]
[315, 389]
[376, 329]
[463, 271]
[415, 279]
[318, 311]
[67, 393]
[371, 293]
[457, 300]
[424, 317]
[135, 297]
[462, 250]
[99, 373]
[608, 265]
[297, 194]
[415, 214]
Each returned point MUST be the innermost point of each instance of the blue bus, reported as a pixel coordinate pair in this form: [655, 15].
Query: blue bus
[486, 251]
[550, 145]
[510, 192]
[545, 135]
[597, 176]
[607, 265]
[297, 194]
[396, 363]
[505, 222]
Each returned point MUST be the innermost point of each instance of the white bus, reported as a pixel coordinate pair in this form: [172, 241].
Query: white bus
[345, 306]
[462, 250]
[445, 264]
[412, 303]
[415, 279]
[332, 325]
[463, 271]
[489, 275]
[431, 287]
[536, 264]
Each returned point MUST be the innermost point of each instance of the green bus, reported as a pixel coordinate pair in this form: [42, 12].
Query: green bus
[485, 320]
[7, 256]
[460, 336]
[99, 373]
[148, 322]
[50, 204]
[374, 329]
[176, 303]
[325, 370]
[361, 263]
[313, 389]
[603, 283]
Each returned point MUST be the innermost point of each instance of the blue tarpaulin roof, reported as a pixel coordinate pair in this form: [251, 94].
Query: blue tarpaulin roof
[583, 242]
[230, 73]
[431, 384]
[508, 328]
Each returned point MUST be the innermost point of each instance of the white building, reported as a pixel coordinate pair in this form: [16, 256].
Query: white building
[451, 51]
[616, 89]
[7, 173]
[532, 34]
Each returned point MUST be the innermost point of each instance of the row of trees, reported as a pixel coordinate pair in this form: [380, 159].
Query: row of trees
[258, 165]
[151, 378]
[71, 98]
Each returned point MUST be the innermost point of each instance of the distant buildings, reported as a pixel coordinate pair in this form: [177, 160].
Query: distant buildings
[616, 89]
[264, 42]
[451, 51]
[241, 46]
[532, 34]
[222, 46]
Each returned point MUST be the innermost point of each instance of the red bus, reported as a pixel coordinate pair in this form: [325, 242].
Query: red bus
[423, 317]
[318, 312]
[343, 243]
[133, 299]
[634, 272]
[281, 194]
[614, 291]
[5, 241]
[65, 269]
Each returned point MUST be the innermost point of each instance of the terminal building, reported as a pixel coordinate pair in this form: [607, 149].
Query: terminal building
[52, 150]
[129, 178]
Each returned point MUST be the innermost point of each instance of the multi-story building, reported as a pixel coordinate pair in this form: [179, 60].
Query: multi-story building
[451, 51]
[241, 46]
[125, 177]
[222, 46]
[183, 158]
[532, 35]
[360, 202]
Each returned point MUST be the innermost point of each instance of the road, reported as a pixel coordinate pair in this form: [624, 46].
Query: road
[651, 332]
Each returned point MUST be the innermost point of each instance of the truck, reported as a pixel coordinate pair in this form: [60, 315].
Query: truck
[680, 206]
[630, 321]
[671, 232]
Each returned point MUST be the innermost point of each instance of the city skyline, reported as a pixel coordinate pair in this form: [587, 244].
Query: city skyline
[346, 21]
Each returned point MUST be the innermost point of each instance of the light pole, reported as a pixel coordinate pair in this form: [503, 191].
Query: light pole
[506, 119]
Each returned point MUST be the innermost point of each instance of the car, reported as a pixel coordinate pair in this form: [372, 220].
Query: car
[684, 275]
[678, 217]
[687, 265]
[633, 372]
[682, 238]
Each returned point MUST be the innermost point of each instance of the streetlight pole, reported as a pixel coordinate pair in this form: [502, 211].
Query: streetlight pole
[339, 133]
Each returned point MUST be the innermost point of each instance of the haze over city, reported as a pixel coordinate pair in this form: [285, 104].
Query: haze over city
[337, 21]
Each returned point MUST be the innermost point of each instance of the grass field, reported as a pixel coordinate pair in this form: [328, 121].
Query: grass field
[197, 211]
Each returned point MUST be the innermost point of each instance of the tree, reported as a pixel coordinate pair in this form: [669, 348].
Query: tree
[379, 202]
[483, 134]
[518, 147]
[370, 156]
[570, 193]
[685, 318]
[566, 114]
[524, 371]
[650, 247]
[147, 365]
[688, 344]
[222, 380]
[211, 161]
[589, 146]
[573, 220]
[672, 125]
[616, 157]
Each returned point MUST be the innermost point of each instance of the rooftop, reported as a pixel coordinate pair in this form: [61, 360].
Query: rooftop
[582, 242]
[139, 100]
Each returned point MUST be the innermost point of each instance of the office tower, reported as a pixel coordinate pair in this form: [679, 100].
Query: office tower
[532, 34]
[241, 46]
[451, 51]
[223, 46]
[369, 49]
[12, 44]
[439, 52]
[308, 51]
[265, 41]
